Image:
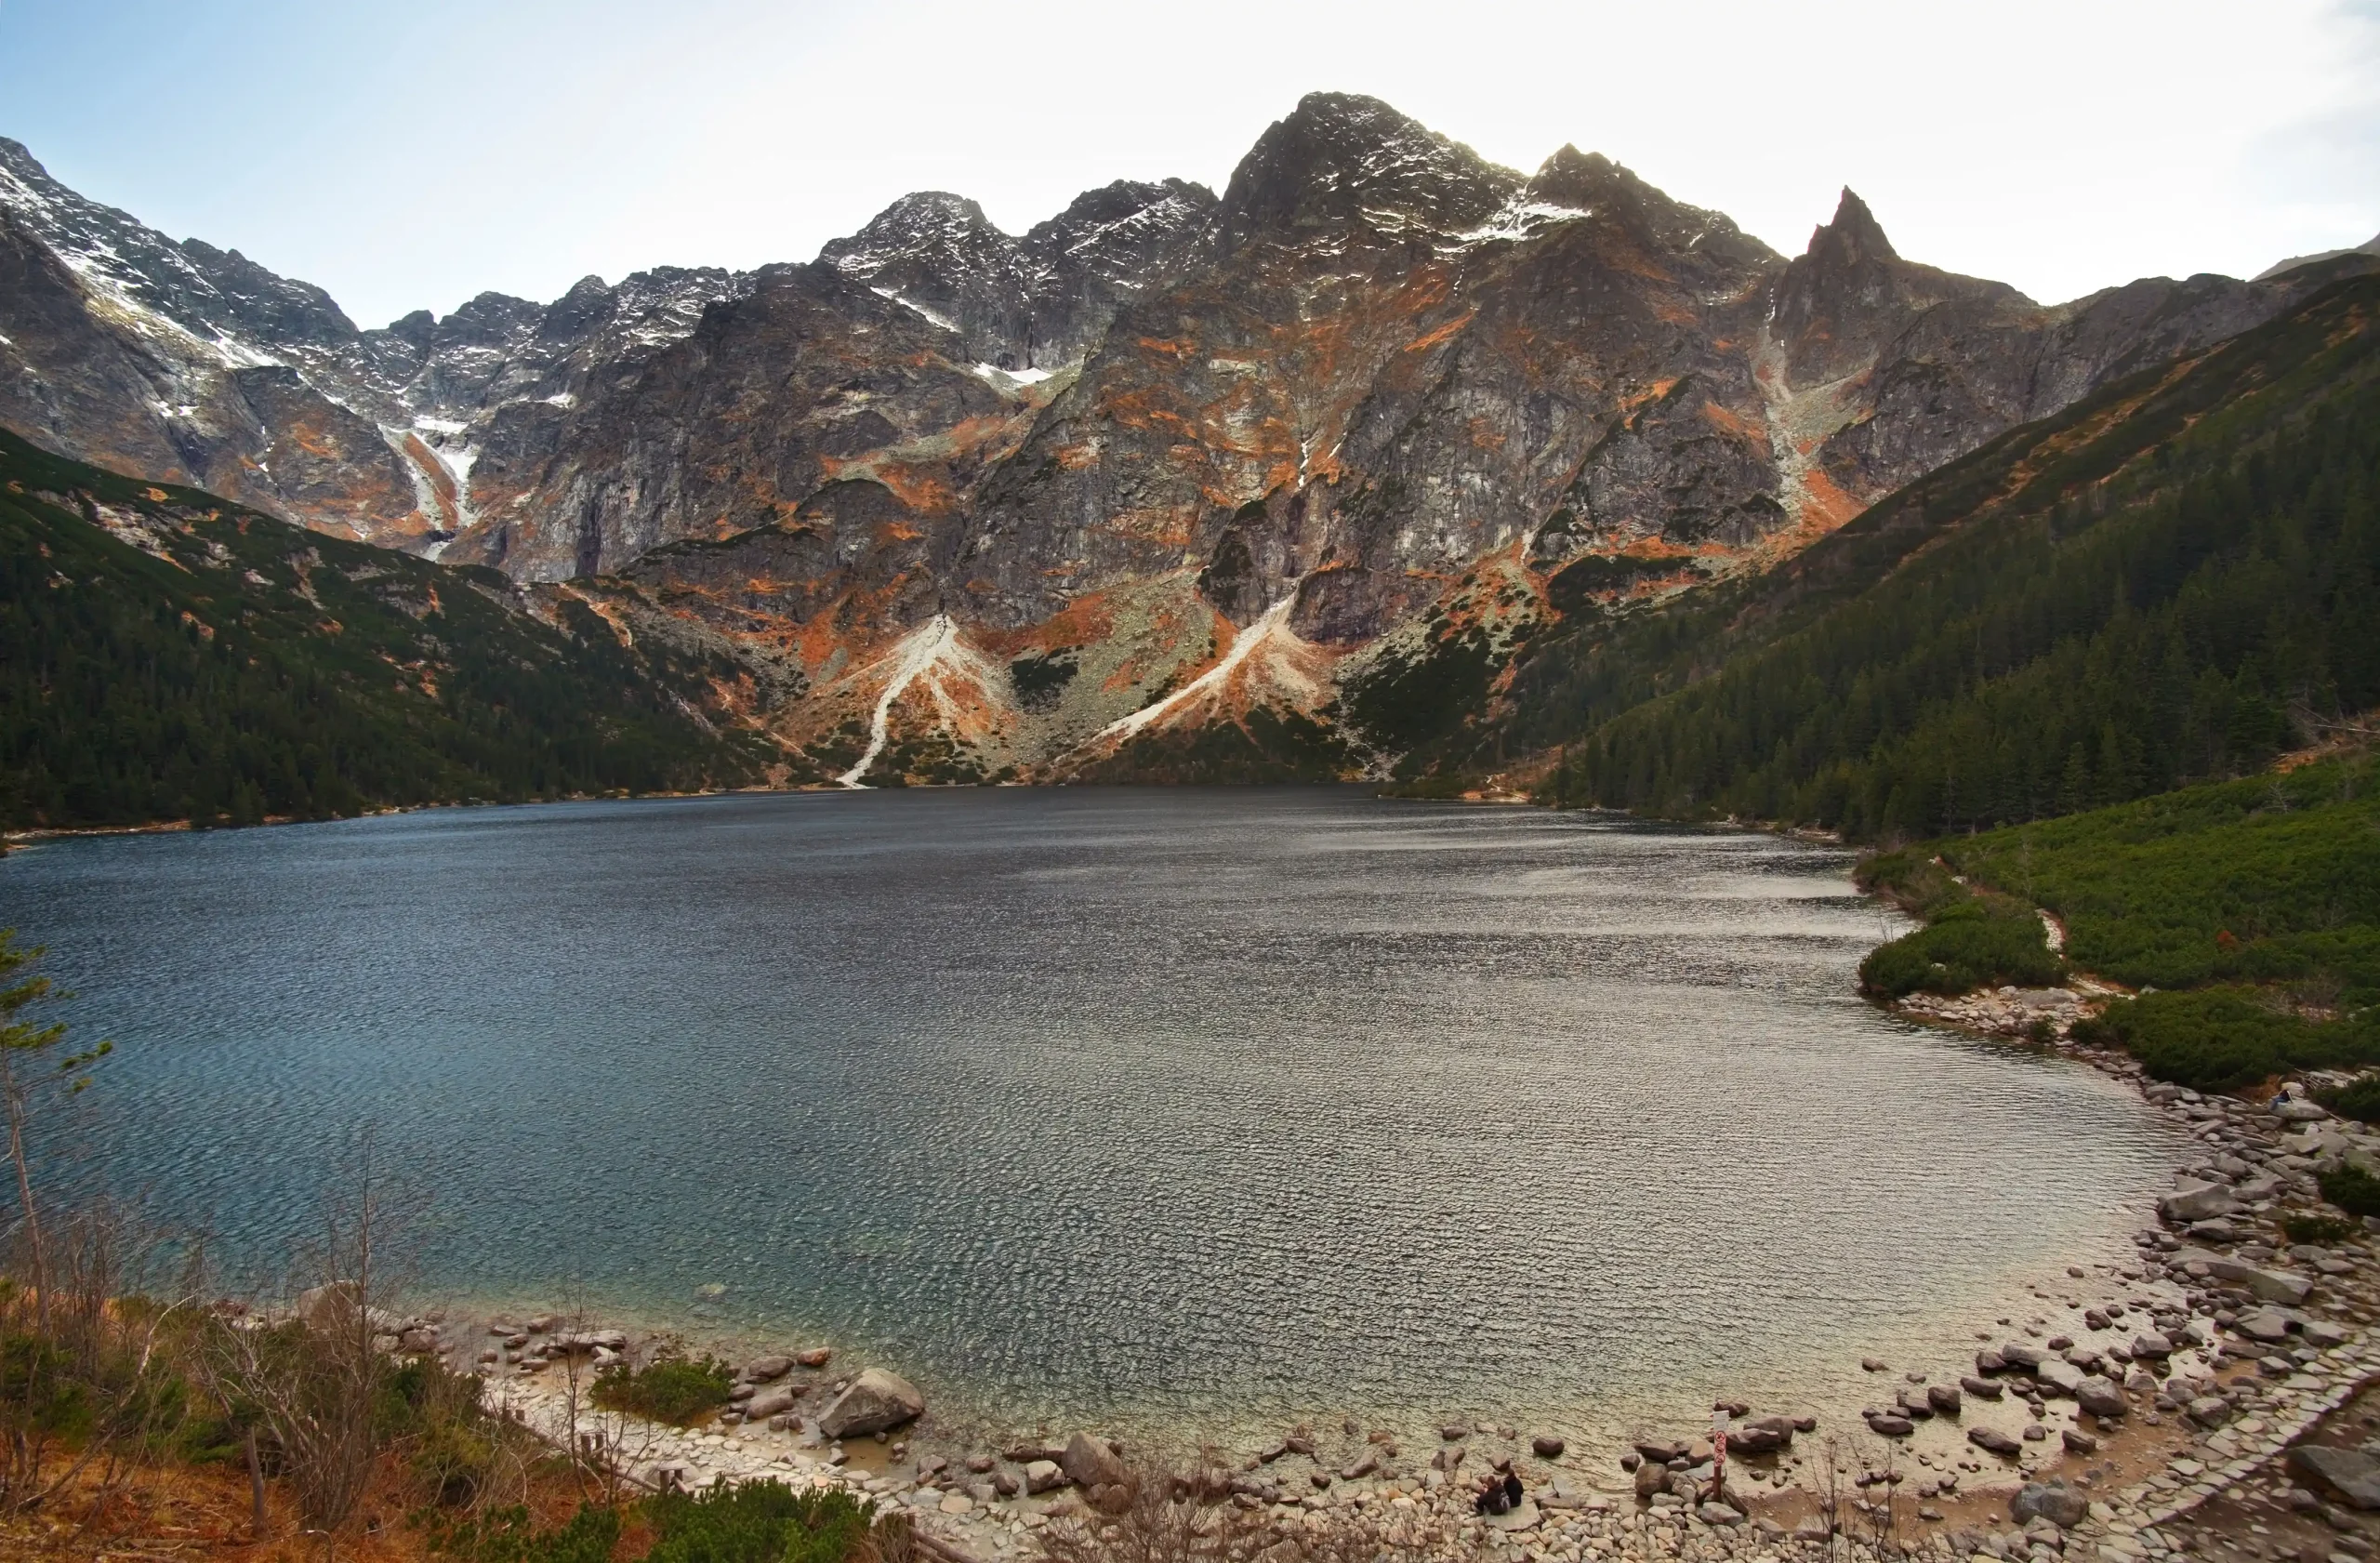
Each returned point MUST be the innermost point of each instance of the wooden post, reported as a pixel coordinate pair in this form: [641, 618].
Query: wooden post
[255, 1488]
[1719, 1455]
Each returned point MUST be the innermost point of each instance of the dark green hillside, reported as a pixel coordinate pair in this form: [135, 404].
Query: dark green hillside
[2269, 879]
[165, 656]
[2171, 582]
[2251, 906]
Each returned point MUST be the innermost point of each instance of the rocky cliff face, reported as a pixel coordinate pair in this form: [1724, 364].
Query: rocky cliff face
[1284, 467]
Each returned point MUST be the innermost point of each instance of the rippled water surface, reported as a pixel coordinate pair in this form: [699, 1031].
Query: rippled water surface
[1080, 1102]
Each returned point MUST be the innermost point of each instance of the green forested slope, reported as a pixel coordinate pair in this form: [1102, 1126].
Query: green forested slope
[2161, 586]
[2269, 878]
[166, 655]
[2247, 912]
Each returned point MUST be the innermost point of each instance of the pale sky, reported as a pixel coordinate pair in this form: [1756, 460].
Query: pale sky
[410, 154]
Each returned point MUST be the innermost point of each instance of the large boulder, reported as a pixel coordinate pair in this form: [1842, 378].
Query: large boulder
[2352, 1474]
[2197, 1201]
[876, 1402]
[2058, 1375]
[2272, 1285]
[2102, 1397]
[768, 1403]
[1089, 1461]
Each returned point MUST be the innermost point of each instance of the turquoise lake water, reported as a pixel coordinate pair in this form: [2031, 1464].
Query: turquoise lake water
[1216, 1105]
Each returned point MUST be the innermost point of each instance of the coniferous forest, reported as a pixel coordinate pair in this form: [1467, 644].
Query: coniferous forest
[164, 655]
[2175, 582]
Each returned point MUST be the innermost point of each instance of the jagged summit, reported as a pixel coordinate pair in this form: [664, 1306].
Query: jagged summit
[1380, 386]
[1852, 235]
[1590, 182]
[237, 307]
[1341, 158]
[919, 222]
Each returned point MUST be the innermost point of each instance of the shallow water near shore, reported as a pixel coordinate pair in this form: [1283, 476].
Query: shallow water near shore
[1124, 1107]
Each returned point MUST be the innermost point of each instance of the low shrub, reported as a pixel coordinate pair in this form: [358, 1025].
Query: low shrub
[2357, 1099]
[2323, 1229]
[2221, 1038]
[758, 1522]
[2352, 1189]
[512, 1536]
[678, 1390]
[1972, 943]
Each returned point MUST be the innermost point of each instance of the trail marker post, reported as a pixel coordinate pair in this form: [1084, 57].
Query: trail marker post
[1719, 1455]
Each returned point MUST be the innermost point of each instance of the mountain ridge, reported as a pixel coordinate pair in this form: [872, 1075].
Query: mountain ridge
[1389, 400]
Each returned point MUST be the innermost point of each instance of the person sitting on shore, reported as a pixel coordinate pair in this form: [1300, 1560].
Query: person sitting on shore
[1512, 1490]
[1492, 1499]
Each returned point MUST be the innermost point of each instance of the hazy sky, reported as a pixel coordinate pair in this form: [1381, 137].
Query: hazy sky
[411, 155]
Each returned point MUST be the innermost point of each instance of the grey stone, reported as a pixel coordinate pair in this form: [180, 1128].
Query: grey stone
[1884, 1425]
[2056, 1373]
[1718, 1514]
[2102, 1397]
[1652, 1477]
[769, 1403]
[2197, 1201]
[1983, 1389]
[1043, 1475]
[2271, 1286]
[2209, 1410]
[2055, 1502]
[1545, 1446]
[761, 1370]
[2264, 1324]
[1522, 1516]
[1994, 1440]
[875, 1402]
[1943, 1398]
[2151, 1344]
[2023, 1357]
[1090, 1461]
[2352, 1474]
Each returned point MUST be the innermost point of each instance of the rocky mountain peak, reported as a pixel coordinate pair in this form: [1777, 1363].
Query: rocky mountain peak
[1341, 158]
[227, 305]
[922, 224]
[1852, 236]
[577, 311]
[1575, 177]
[1108, 247]
[1589, 181]
[1130, 218]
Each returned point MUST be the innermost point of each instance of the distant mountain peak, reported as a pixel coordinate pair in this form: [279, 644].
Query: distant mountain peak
[1342, 157]
[1853, 235]
[922, 221]
[2370, 247]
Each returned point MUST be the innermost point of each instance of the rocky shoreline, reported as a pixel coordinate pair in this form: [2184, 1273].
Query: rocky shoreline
[2091, 1424]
